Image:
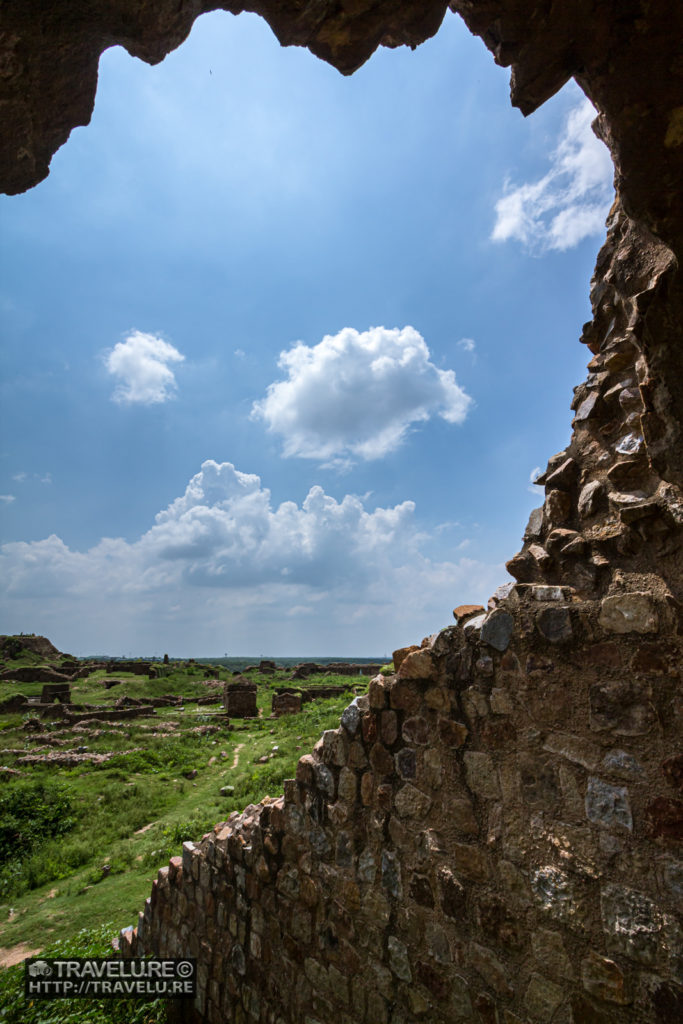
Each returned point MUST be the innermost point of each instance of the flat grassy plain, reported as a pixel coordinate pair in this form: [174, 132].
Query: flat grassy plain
[81, 844]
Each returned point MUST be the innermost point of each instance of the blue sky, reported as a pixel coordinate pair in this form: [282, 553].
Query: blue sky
[282, 348]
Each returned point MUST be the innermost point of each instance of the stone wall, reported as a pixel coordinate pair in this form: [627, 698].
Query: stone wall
[490, 835]
[240, 699]
[494, 833]
[286, 702]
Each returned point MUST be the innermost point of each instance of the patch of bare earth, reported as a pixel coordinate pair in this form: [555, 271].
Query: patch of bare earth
[16, 954]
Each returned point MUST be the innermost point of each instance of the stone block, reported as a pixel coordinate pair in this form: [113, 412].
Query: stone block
[432, 768]
[624, 708]
[608, 806]
[377, 692]
[632, 923]
[590, 499]
[452, 734]
[335, 746]
[452, 894]
[603, 979]
[497, 629]
[406, 763]
[381, 760]
[466, 611]
[305, 770]
[388, 727]
[461, 815]
[470, 862]
[401, 654]
[554, 624]
[633, 612]
[421, 891]
[550, 954]
[417, 731]
[348, 785]
[665, 819]
[367, 788]
[420, 664]
[557, 507]
[410, 802]
[405, 696]
[574, 748]
[492, 970]
[391, 873]
[542, 997]
[350, 718]
[482, 777]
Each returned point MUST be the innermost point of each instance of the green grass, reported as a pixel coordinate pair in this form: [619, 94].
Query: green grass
[128, 816]
[14, 1009]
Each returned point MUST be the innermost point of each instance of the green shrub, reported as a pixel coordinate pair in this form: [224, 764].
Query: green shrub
[30, 813]
[14, 1009]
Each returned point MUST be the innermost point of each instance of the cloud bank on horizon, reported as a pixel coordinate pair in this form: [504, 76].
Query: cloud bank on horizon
[567, 204]
[141, 364]
[358, 394]
[221, 552]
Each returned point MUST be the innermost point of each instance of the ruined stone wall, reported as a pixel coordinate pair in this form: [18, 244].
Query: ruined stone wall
[494, 833]
[490, 835]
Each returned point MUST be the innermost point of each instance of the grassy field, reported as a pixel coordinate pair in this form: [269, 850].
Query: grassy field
[80, 845]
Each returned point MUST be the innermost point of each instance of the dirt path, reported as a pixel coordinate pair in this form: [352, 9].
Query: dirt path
[237, 755]
[16, 954]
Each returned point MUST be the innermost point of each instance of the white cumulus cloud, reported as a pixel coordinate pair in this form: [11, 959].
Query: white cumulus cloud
[467, 344]
[141, 365]
[223, 567]
[7, 499]
[357, 394]
[567, 204]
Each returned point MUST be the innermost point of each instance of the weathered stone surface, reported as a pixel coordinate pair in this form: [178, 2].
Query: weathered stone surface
[603, 979]
[624, 708]
[466, 611]
[497, 629]
[482, 777]
[632, 923]
[608, 805]
[411, 803]
[420, 664]
[590, 498]
[416, 730]
[574, 748]
[350, 718]
[399, 656]
[554, 624]
[665, 817]
[629, 613]
[551, 954]
[542, 997]
[534, 526]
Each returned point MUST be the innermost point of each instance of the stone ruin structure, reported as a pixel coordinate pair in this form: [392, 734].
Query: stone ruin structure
[60, 692]
[494, 833]
[289, 701]
[335, 668]
[286, 702]
[239, 698]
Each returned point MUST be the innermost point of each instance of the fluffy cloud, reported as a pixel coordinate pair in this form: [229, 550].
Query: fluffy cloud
[221, 567]
[467, 344]
[141, 365]
[570, 202]
[7, 499]
[358, 394]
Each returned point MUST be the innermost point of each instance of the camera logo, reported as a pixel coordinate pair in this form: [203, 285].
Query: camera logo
[40, 969]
